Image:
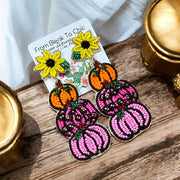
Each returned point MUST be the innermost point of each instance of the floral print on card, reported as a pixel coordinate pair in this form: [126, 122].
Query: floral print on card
[78, 74]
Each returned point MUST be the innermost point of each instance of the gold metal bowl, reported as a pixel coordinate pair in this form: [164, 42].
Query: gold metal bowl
[11, 124]
[161, 48]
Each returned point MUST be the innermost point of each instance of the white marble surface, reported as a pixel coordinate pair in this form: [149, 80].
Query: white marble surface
[23, 21]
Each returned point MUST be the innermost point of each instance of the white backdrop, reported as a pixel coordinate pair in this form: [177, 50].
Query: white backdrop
[23, 21]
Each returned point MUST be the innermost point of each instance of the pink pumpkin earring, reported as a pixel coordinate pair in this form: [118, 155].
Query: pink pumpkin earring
[118, 99]
[76, 119]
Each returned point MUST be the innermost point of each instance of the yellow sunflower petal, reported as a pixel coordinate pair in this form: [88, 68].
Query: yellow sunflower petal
[77, 48]
[81, 35]
[94, 40]
[41, 59]
[59, 68]
[87, 36]
[77, 41]
[45, 72]
[40, 67]
[83, 53]
[94, 46]
[53, 72]
[56, 55]
[60, 61]
[47, 54]
[89, 53]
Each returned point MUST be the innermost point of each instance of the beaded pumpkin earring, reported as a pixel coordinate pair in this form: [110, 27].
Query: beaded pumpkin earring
[76, 120]
[49, 65]
[118, 99]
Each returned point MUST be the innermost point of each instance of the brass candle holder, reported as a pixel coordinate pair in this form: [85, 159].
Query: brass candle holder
[11, 127]
[161, 48]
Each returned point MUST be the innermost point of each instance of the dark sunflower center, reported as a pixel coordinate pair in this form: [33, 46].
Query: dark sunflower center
[50, 63]
[85, 44]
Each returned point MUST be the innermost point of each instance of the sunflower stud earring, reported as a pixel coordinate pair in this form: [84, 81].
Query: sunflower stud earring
[50, 64]
[86, 45]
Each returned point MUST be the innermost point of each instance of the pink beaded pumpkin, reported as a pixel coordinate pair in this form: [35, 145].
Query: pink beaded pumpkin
[128, 122]
[90, 142]
[76, 120]
[118, 99]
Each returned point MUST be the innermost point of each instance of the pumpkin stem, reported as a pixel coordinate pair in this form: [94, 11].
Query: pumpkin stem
[68, 102]
[106, 83]
[97, 64]
[121, 107]
[81, 126]
[58, 83]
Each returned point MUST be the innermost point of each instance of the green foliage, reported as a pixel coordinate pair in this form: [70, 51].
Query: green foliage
[116, 83]
[57, 91]
[81, 70]
[75, 104]
[76, 55]
[68, 74]
[77, 77]
[120, 115]
[69, 81]
[96, 73]
[67, 88]
[77, 135]
[65, 65]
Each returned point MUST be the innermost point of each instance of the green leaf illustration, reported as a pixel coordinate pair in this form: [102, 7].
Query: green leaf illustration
[88, 68]
[83, 64]
[68, 74]
[81, 69]
[77, 77]
[70, 81]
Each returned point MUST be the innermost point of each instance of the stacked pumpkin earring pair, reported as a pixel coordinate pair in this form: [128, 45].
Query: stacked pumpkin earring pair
[77, 118]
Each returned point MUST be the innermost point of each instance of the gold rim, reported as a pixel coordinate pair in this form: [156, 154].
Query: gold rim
[152, 38]
[18, 126]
